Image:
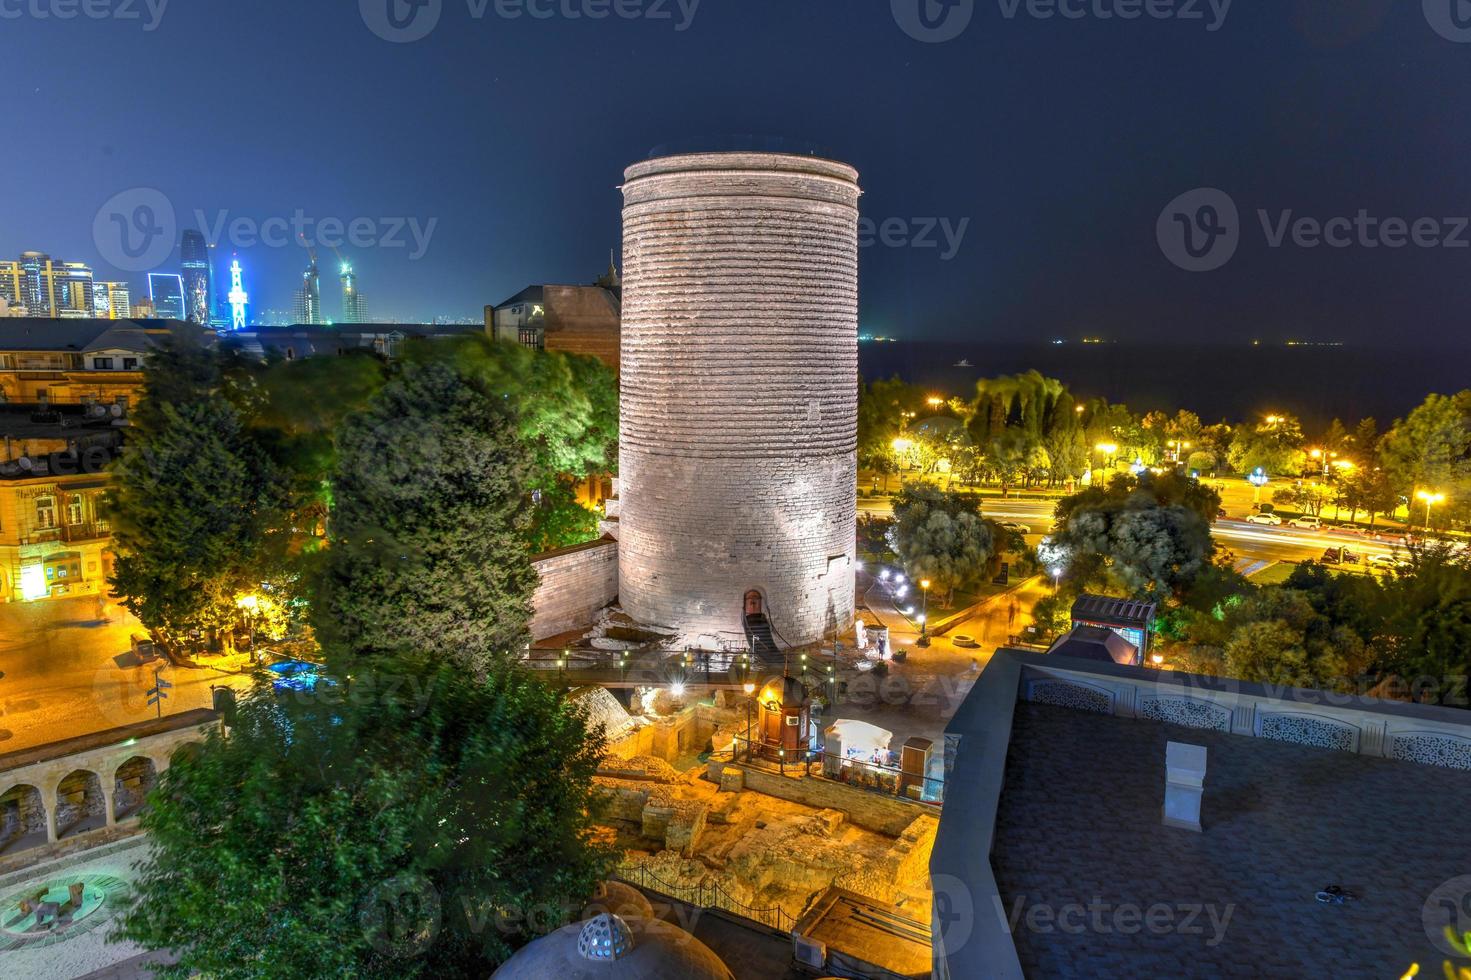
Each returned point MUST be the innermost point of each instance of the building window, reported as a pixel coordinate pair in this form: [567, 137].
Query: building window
[45, 512]
[102, 364]
[74, 509]
[130, 364]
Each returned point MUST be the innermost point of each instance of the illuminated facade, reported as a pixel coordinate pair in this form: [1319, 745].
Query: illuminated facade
[354, 308]
[166, 292]
[47, 287]
[198, 287]
[309, 296]
[739, 396]
[53, 541]
[112, 300]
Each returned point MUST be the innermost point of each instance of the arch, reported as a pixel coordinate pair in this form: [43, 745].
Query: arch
[80, 804]
[754, 603]
[131, 783]
[22, 818]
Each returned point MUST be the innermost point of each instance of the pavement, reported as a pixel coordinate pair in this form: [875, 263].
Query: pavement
[66, 669]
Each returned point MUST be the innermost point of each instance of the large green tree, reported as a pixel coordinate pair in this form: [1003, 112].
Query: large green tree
[1430, 449]
[374, 829]
[1146, 536]
[427, 549]
[193, 499]
[942, 537]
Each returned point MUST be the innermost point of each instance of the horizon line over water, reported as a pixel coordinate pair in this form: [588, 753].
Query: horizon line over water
[1216, 381]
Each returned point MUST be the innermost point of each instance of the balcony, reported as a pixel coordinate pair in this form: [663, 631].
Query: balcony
[70, 534]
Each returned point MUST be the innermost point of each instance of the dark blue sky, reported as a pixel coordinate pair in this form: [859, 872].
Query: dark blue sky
[1058, 141]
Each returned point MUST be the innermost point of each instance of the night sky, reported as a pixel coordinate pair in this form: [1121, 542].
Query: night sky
[1058, 141]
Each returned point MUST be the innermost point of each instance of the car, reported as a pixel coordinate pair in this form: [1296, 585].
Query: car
[1307, 523]
[1015, 526]
[1271, 520]
[1340, 556]
[1387, 563]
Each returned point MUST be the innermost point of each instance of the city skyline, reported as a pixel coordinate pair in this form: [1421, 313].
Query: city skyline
[971, 148]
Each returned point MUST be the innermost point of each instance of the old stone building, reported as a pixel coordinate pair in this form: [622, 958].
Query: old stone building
[739, 395]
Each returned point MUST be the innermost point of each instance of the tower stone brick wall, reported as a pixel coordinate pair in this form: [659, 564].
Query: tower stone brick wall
[739, 393]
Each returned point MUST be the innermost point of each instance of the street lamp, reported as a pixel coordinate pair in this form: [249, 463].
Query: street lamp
[1430, 499]
[1258, 479]
[251, 605]
[1107, 449]
[924, 617]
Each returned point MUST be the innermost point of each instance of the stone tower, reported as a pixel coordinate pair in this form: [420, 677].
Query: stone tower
[739, 420]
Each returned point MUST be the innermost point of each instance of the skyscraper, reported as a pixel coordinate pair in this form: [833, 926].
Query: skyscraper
[166, 290]
[198, 287]
[47, 287]
[354, 309]
[309, 296]
[112, 300]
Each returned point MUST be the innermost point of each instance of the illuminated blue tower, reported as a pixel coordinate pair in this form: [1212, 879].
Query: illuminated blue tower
[238, 297]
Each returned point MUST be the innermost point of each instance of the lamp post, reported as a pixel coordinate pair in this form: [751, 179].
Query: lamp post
[1430, 499]
[750, 690]
[924, 616]
[1258, 479]
[1107, 449]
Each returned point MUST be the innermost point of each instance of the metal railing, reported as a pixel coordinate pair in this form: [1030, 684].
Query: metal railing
[692, 668]
[69, 533]
[706, 896]
[874, 777]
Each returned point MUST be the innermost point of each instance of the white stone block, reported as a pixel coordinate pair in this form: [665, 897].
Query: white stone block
[1185, 767]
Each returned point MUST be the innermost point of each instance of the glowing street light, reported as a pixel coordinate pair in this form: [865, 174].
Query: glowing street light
[924, 617]
[1431, 499]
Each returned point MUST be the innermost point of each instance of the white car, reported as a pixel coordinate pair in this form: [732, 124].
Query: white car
[1387, 562]
[1307, 523]
[1015, 526]
[1271, 520]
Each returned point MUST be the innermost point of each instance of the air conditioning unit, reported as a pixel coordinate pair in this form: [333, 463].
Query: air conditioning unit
[810, 952]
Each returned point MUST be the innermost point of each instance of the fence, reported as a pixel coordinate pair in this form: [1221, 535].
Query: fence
[864, 774]
[706, 896]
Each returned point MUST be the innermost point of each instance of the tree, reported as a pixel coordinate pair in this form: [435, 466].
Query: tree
[361, 833]
[1148, 536]
[1430, 448]
[427, 538]
[565, 406]
[942, 537]
[1274, 445]
[192, 501]
[1429, 628]
[559, 521]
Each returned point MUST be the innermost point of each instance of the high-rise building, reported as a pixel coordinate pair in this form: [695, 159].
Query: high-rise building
[112, 300]
[198, 285]
[47, 287]
[309, 296]
[166, 290]
[354, 308]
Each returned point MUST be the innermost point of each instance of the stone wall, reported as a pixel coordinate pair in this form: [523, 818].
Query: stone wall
[872, 811]
[575, 584]
[738, 426]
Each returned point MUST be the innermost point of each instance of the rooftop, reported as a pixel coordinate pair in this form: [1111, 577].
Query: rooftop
[1081, 825]
[1053, 830]
[1125, 611]
[45, 334]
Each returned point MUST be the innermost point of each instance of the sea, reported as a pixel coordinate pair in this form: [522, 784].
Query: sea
[1219, 382]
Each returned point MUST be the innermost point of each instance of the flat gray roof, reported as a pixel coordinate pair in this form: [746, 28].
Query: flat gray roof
[1078, 827]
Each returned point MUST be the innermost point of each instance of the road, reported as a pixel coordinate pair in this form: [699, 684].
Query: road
[68, 670]
[1252, 543]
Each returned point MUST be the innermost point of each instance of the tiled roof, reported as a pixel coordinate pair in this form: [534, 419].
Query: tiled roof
[1078, 826]
[27, 333]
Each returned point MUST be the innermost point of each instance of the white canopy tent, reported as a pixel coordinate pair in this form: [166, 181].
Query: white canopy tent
[859, 738]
